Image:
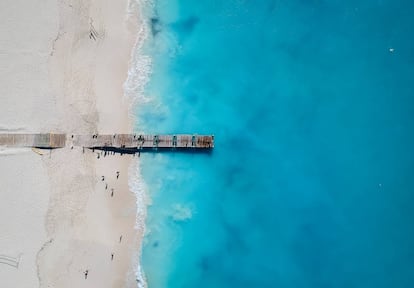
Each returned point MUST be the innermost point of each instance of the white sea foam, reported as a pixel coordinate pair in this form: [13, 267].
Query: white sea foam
[140, 65]
[138, 186]
[139, 72]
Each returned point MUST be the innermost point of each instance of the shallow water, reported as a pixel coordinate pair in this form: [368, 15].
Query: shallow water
[310, 183]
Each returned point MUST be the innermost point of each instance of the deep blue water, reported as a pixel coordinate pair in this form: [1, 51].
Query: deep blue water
[311, 183]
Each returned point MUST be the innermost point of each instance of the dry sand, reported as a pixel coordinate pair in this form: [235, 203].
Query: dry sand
[57, 218]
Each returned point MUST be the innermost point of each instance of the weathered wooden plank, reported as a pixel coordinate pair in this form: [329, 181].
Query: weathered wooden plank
[48, 140]
[138, 141]
[118, 141]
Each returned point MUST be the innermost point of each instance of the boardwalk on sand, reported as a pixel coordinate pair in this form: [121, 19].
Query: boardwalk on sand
[47, 141]
[114, 141]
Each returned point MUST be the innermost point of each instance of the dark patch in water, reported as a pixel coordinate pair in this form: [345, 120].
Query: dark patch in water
[186, 27]
[205, 263]
[155, 26]
[155, 244]
[272, 7]
[235, 241]
[192, 99]
[232, 175]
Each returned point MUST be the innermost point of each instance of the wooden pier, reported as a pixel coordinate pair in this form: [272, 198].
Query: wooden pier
[45, 141]
[114, 141]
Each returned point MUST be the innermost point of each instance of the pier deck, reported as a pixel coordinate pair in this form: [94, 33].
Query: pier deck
[46, 141]
[137, 141]
[106, 141]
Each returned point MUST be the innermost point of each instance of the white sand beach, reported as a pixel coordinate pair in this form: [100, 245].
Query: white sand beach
[63, 64]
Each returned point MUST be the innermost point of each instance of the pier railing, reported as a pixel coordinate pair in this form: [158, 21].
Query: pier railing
[107, 141]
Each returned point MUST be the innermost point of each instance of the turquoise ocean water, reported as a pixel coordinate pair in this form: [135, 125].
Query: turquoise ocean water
[311, 183]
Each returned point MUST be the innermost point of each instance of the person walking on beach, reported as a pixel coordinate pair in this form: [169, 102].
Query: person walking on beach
[112, 192]
[112, 256]
[117, 174]
[120, 239]
[103, 178]
[86, 273]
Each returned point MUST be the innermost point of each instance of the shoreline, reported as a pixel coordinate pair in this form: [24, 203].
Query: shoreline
[139, 67]
[102, 235]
